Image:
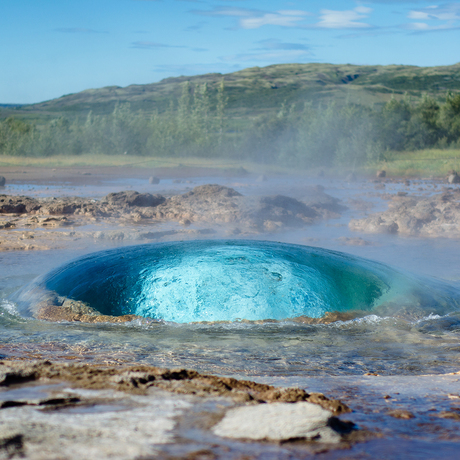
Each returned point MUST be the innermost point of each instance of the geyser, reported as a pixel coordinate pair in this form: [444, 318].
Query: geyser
[196, 281]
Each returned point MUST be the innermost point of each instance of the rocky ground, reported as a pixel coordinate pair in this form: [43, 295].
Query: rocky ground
[435, 216]
[73, 411]
[34, 223]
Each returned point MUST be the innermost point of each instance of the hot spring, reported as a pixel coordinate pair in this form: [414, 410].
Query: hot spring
[188, 282]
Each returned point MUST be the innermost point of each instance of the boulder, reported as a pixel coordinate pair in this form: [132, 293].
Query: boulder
[154, 180]
[131, 198]
[2, 181]
[380, 174]
[17, 204]
[280, 422]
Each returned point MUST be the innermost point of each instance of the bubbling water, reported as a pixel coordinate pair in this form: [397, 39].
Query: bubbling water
[217, 280]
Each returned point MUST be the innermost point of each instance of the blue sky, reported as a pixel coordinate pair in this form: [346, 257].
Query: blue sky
[49, 48]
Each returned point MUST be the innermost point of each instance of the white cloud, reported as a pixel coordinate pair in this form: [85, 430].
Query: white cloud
[418, 15]
[363, 10]
[254, 19]
[282, 18]
[274, 51]
[418, 26]
[435, 17]
[331, 19]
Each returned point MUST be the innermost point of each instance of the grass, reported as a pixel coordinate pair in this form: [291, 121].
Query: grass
[420, 163]
[132, 161]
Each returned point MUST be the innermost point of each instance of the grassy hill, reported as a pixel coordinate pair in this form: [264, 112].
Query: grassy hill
[307, 115]
[255, 90]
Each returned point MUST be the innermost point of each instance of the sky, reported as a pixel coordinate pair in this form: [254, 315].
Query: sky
[49, 48]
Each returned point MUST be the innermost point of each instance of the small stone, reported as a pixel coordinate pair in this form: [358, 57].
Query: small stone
[400, 413]
[278, 422]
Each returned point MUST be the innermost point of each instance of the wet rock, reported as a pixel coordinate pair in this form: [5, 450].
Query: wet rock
[139, 379]
[223, 207]
[62, 206]
[316, 198]
[205, 192]
[130, 411]
[453, 415]
[279, 422]
[438, 215]
[402, 414]
[17, 204]
[6, 225]
[131, 198]
[284, 209]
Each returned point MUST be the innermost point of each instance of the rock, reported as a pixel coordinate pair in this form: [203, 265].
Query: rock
[211, 190]
[381, 173]
[131, 198]
[438, 216]
[284, 209]
[453, 178]
[2, 181]
[262, 178]
[279, 422]
[401, 413]
[320, 201]
[17, 204]
[154, 180]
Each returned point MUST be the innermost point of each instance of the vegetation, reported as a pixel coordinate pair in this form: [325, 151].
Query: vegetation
[236, 118]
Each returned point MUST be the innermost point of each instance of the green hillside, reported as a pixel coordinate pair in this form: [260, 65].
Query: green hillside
[253, 90]
[310, 115]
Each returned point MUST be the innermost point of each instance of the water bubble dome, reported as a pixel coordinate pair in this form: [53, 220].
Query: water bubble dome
[217, 280]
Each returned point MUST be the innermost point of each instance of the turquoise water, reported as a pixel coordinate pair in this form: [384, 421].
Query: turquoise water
[187, 282]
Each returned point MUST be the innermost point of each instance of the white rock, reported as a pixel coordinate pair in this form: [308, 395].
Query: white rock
[278, 421]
